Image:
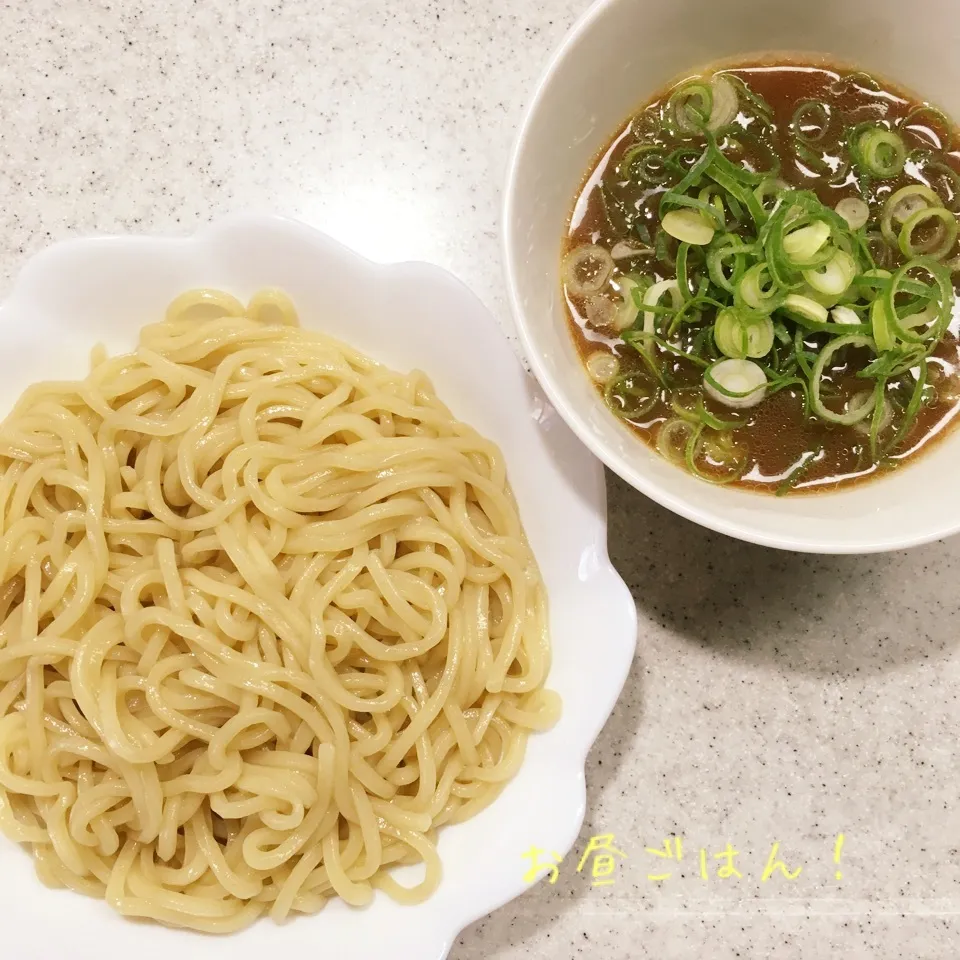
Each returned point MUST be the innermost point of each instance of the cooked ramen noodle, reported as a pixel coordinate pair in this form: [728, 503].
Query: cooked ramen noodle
[269, 620]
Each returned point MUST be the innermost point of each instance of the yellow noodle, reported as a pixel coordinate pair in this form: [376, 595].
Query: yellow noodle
[268, 618]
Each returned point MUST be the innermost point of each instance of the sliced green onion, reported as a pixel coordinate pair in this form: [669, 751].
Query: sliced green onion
[739, 337]
[902, 205]
[799, 471]
[708, 210]
[683, 277]
[686, 411]
[626, 251]
[882, 152]
[806, 308]
[712, 194]
[872, 282]
[738, 384]
[913, 408]
[723, 249]
[684, 163]
[631, 395]
[602, 366]
[586, 269]
[943, 137]
[721, 454]
[854, 211]
[628, 310]
[937, 247]
[690, 312]
[855, 411]
[769, 188]
[875, 249]
[811, 111]
[661, 245]
[688, 226]
[828, 300]
[691, 107]
[758, 290]
[652, 297]
[739, 143]
[715, 423]
[741, 192]
[811, 160]
[944, 287]
[950, 178]
[644, 162]
[882, 415]
[881, 324]
[672, 438]
[730, 333]
[764, 110]
[726, 104]
[803, 244]
[860, 79]
[923, 318]
[644, 345]
[845, 316]
[834, 277]
[679, 352]
[601, 313]
[876, 418]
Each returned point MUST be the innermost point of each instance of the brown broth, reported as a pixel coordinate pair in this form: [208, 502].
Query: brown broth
[777, 433]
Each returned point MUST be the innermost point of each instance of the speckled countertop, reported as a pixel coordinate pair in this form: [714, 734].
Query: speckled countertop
[774, 699]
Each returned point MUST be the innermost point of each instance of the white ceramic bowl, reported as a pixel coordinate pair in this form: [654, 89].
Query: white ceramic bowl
[408, 316]
[618, 55]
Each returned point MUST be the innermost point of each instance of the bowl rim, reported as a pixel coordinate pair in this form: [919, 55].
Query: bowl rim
[577, 422]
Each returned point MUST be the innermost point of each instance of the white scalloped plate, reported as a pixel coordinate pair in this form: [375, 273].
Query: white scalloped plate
[78, 293]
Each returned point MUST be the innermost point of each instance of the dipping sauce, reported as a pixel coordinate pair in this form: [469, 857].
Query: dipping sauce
[760, 273]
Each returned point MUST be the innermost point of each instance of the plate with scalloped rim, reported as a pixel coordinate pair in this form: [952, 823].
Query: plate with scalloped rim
[411, 315]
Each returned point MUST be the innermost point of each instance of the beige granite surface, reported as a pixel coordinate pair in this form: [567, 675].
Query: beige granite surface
[774, 698]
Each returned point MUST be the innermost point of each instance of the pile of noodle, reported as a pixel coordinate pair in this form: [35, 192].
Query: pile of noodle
[268, 619]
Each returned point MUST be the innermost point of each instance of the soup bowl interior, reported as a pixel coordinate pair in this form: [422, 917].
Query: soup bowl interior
[617, 57]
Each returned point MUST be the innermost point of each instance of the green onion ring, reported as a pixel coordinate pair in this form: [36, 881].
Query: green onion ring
[882, 152]
[636, 163]
[755, 294]
[691, 106]
[672, 439]
[822, 112]
[942, 119]
[856, 413]
[726, 246]
[893, 202]
[943, 246]
[694, 447]
[913, 408]
[946, 299]
[950, 174]
[634, 401]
